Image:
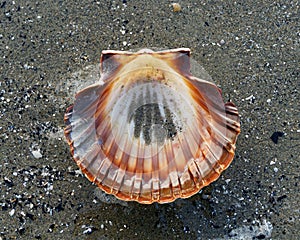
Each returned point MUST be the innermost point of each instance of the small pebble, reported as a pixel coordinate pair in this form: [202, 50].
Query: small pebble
[12, 212]
[37, 154]
[222, 42]
[176, 7]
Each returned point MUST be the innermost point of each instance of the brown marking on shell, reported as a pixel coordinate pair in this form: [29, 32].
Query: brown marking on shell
[179, 137]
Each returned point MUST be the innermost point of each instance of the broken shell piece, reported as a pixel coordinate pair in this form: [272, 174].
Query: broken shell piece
[150, 131]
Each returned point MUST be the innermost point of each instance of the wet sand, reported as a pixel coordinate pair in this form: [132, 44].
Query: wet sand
[251, 50]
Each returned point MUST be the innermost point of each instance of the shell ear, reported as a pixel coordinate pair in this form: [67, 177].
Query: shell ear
[111, 61]
[182, 62]
[108, 62]
[178, 59]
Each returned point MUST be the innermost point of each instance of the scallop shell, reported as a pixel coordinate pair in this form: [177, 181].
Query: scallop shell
[149, 131]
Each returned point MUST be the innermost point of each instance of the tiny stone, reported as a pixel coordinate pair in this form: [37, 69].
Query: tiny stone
[176, 7]
[275, 136]
[222, 42]
[36, 154]
[227, 180]
[12, 212]
[87, 231]
[250, 97]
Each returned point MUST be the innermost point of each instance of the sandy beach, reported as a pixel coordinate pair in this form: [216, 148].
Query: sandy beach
[51, 49]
